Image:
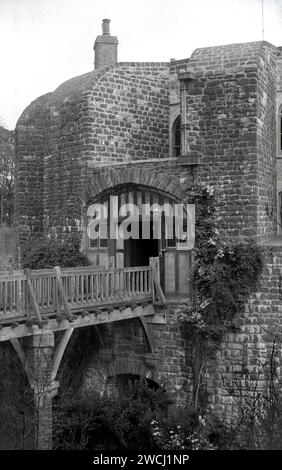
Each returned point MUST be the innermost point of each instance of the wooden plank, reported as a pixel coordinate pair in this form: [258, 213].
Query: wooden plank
[116, 314]
[31, 295]
[154, 262]
[26, 365]
[61, 291]
[59, 352]
[146, 333]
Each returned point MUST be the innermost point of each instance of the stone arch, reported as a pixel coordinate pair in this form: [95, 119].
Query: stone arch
[133, 367]
[114, 180]
[98, 185]
[123, 366]
[139, 368]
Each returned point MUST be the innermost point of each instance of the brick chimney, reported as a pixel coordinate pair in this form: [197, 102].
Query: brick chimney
[105, 47]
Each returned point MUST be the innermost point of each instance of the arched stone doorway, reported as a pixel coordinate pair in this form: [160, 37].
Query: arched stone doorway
[152, 213]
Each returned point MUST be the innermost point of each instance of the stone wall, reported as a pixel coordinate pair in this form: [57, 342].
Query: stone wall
[229, 125]
[30, 142]
[117, 114]
[278, 151]
[242, 363]
[122, 114]
[125, 352]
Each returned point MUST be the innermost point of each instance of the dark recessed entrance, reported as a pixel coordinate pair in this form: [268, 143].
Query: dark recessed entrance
[138, 252]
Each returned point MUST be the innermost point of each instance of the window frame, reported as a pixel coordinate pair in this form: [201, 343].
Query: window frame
[176, 129]
[279, 130]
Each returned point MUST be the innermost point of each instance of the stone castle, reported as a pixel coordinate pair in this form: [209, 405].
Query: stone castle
[145, 132]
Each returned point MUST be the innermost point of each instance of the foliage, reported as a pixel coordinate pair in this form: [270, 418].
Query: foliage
[7, 171]
[224, 275]
[222, 279]
[47, 254]
[137, 419]
[259, 401]
[109, 423]
[16, 402]
[190, 433]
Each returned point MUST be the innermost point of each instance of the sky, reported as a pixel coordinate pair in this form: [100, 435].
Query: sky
[45, 42]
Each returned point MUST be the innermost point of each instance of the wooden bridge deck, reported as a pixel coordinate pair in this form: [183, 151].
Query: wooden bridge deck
[54, 298]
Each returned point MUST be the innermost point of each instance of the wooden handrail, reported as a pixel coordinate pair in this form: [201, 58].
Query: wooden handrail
[35, 294]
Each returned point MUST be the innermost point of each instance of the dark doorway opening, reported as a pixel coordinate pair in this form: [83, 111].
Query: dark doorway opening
[138, 252]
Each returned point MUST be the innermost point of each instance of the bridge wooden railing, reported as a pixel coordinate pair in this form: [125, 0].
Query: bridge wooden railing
[42, 293]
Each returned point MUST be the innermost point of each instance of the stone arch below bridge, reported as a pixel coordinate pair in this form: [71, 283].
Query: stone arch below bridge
[93, 358]
[115, 376]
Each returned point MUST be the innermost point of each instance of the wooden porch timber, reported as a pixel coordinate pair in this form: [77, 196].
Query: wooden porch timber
[89, 319]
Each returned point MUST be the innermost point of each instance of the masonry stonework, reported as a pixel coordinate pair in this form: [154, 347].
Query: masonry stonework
[122, 350]
[229, 112]
[118, 114]
[242, 363]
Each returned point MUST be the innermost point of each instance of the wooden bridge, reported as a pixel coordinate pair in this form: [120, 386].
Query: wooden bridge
[34, 305]
[58, 298]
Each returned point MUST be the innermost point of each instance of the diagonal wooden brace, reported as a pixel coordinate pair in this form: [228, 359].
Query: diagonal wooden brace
[146, 333]
[32, 298]
[62, 293]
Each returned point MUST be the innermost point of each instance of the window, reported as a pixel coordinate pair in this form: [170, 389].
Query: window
[176, 137]
[171, 242]
[99, 241]
[280, 130]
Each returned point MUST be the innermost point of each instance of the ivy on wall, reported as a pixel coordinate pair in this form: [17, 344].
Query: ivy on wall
[224, 275]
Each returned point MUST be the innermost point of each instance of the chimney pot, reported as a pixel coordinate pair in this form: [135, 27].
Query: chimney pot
[106, 27]
[105, 47]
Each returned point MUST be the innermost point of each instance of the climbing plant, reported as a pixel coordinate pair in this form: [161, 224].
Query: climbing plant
[224, 275]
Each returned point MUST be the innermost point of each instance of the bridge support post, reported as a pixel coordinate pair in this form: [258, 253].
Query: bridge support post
[44, 386]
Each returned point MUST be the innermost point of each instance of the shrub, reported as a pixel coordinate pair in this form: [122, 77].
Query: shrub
[47, 254]
[112, 423]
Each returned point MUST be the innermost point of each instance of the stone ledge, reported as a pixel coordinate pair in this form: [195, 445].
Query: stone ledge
[157, 319]
[273, 243]
[189, 160]
[187, 75]
[95, 164]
